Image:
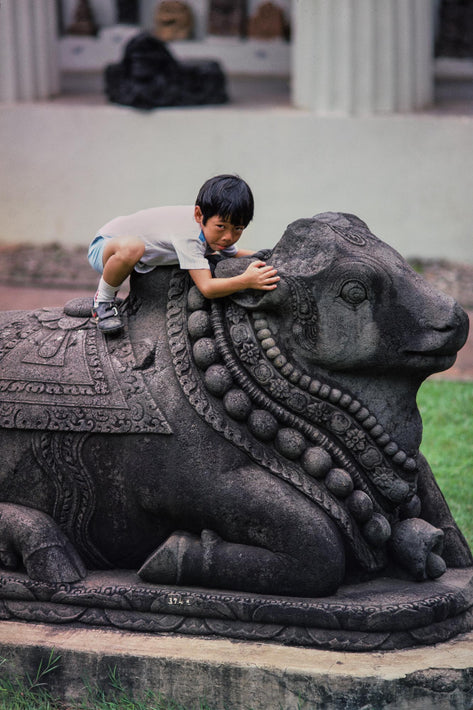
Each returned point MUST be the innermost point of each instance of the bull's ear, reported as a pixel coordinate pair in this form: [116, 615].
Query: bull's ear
[255, 300]
[251, 298]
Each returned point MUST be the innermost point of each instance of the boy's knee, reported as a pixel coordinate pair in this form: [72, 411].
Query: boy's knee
[128, 251]
[133, 252]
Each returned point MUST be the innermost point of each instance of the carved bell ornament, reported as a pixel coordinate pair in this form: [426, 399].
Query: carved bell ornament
[173, 20]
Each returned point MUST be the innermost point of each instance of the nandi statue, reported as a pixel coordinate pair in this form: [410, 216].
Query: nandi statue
[247, 467]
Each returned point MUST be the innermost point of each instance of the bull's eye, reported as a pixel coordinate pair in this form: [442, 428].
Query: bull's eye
[353, 292]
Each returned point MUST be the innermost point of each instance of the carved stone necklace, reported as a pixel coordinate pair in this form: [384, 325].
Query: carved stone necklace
[314, 436]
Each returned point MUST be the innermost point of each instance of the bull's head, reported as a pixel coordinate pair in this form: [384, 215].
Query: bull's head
[351, 303]
[351, 311]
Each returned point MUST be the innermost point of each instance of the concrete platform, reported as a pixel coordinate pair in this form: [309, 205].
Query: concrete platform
[235, 675]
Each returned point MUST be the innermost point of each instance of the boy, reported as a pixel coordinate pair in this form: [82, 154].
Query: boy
[183, 235]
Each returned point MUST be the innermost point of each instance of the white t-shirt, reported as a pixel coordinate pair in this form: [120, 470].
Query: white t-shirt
[171, 236]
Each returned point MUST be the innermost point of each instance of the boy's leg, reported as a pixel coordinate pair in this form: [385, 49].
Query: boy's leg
[119, 256]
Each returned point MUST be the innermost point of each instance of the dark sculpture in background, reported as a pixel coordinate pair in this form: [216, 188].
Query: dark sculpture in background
[128, 11]
[227, 18]
[83, 20]
[268, 22]
[248, 467]
[173, 20]
[150, 77]
[455, 29]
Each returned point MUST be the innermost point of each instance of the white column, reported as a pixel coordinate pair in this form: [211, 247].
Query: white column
[362, 56]
[28, 50]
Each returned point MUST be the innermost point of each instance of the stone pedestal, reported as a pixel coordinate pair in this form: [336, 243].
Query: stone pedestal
[362, 56]
[28, 44]
[236, 675]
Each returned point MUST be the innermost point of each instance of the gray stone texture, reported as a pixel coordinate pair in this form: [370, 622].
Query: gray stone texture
[233, 457]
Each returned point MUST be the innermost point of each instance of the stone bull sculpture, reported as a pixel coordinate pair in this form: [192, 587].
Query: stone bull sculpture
[265, 443]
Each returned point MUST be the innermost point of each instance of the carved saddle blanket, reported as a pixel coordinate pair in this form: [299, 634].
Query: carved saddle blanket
[57, 373]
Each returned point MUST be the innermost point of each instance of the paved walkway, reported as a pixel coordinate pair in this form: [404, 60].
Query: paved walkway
[15, 297]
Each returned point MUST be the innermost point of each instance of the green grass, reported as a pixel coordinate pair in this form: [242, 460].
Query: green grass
[27, 693]
[447, 444]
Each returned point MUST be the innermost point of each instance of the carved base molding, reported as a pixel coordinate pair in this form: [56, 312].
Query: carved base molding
[384, 614]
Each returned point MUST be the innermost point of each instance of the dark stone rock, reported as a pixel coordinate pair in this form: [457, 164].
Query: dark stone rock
[149, 77]
[268, 444]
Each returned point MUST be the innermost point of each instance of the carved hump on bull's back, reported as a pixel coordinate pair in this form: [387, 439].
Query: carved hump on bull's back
[58, 373]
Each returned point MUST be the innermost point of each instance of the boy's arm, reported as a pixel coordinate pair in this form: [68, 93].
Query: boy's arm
[258, 276]
[243, 252]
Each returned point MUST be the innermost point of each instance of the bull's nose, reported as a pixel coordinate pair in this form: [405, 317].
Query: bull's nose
[455, 322]
[463, 316]
[443, 336]
[458, 326]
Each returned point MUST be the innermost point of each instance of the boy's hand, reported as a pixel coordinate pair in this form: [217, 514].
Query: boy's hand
[257, 275]
[260, 276]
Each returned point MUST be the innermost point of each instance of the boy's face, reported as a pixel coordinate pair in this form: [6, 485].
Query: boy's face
[219, 233]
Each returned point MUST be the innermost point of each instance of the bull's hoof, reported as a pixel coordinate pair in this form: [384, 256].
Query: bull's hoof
[417, 546]
[165, 565]
[56, 563]
[33, 536]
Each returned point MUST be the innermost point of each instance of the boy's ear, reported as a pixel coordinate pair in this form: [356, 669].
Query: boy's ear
[198, 216]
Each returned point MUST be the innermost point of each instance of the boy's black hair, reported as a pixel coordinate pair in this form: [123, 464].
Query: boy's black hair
[227, 196]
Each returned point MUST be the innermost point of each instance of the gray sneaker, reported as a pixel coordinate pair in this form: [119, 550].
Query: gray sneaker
[107, 317]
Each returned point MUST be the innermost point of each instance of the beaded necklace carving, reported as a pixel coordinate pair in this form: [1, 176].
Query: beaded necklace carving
[316, 437]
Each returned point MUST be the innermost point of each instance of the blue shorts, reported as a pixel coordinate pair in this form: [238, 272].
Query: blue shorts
[95, 253]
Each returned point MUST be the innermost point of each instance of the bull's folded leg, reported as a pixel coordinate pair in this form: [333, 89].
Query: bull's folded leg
[33, 537]
[435, 510]
[209, 561]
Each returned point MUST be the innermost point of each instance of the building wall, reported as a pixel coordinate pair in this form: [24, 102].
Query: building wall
[66, 169]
